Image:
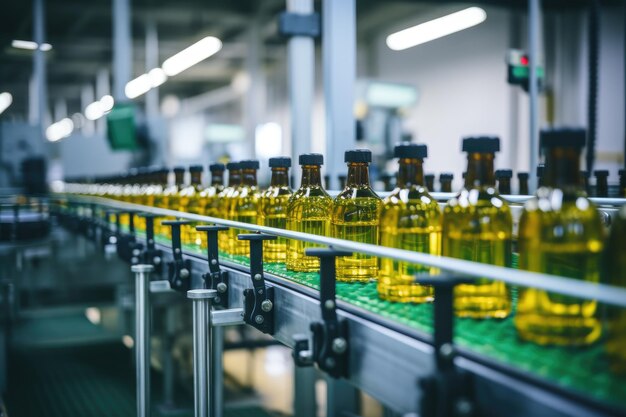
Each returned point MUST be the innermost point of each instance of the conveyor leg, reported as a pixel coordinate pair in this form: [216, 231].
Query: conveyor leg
[304, 398]
[217, 376]
[142, 337]
[168, 361]
[202, 335]
[342, 398]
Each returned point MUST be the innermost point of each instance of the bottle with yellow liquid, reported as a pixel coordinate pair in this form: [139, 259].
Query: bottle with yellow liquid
[273, 208]
[355, 216]
[560, 233]
[477, 226]
[615, 274]
[224, 199]
[308, 211]
[169, 199]
[244, 205]
[208, 200]
[190, 202]
[410, 220]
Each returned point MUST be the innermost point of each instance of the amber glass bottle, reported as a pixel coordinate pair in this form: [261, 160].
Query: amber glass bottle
[308, 211]
[522, 179]
[477, 226]
[191, 202]
[560, 233]
[602, 183]
[208, 200]
[171, 197]
[244, 205]
[410, 220]
[503, 178]
[430, 182]
[445, 179]
[615, 274]
[273, 208]
[224, 199]
[356, 216]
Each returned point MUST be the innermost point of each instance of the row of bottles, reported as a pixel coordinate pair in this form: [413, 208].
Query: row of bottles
[560, 231]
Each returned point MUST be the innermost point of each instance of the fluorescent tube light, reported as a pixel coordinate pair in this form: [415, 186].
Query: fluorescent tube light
[59, 130]
[138, 86]
[157, 77]
[94, 111]
[437, 28]
[107, 102]
[192, 55]
[5, 101]
[30, 45]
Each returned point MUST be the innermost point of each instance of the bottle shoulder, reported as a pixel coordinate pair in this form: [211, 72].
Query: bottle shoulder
[476, 200]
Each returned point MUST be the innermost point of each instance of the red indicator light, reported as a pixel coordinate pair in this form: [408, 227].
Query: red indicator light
[524, 60]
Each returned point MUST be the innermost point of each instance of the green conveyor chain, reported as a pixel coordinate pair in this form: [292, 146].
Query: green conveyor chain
[585, 370]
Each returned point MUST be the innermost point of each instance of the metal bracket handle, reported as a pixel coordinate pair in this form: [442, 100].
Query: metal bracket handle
[215, 279]
[151, 255]
[259, 300]
[179, 269]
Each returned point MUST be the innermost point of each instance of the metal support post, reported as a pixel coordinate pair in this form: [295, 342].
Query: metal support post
[339, 61]
[533, 57]
[202, 359]
[142, 337]
[304, 398]
[122, 48]
[39, 64]
[152, 61]
[217, 375]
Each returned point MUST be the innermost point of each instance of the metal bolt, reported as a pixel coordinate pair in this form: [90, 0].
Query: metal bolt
[267, 306]
[184, 273]
[260, 291]
[221, 287]
[446, 351]
[339, 345]
[217, 300]
[177, 250]
[330, 363]
[259, 319]
[136, 252]
[258, 277]
[151, 241]
[134, 260]
[156, 260]
[213, 261]
[464, 408]
[329, 304]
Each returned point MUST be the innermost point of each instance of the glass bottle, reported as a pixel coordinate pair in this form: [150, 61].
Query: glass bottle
[430, 182]
[615, 274]
[560, 233]
[503, 178]
[355, 216]
[540, 170]
[190, 202]
[584, 177]
[224, 199]
[622, 183]
[170, 199]
[244, 205]
[477, 226]
[445, 179]
[602, 185]
[410, 220]
[273, 208]
[522, 178]
[209, 203]
[308, 211]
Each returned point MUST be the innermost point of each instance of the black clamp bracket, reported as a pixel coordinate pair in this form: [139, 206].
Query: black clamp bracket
[150, 254]
[179, 269]
[107, 236]
[299, 24]
[127, 246]
[330, 337]
[215, 279]
[448, 391]
[259, 300]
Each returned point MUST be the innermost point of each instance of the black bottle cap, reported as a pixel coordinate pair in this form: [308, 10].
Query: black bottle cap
[601, 173]
[562, 137]
[250, 164]
[540, 169]
[233, 166]
[196, 168]
[218, 166]
[504, 173]
[280, 162]
[410, 150]
[358, 155]
[430, 176]
[163, 170]
[486, 144]
[522, 175]
[446, 176]
[311, 159]
[179, 170]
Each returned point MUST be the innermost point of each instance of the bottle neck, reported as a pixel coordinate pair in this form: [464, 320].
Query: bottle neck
[523, 186]
[249, 177]
[358, 174]
[179, 178]
[280, 177]
[234, 178]
[217, 178]
[311, 176]
[504, 186]
[562, 168]
[410, 172]
[479, 170]
[163, 180]
[196, 178]
[446, 185]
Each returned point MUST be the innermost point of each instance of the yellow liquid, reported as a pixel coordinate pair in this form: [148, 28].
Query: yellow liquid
[615, 274]
[191, 201]
[273, 213]
[208, 203]
[166, 199]
[477, 226]
[244, 208]
[223, 203]
[560, 237]
[308, 212]
[410, 220]
[356, 218]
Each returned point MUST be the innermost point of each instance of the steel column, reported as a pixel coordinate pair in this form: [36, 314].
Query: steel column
[533, 57]
[152, 61]
[142, 337]
[122, 48]
[39, 65]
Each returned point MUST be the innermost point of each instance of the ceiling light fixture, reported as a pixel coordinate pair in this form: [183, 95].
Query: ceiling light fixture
[30, 45]
[138, 86]
[59, 130]
[5, 101]
[437, 28]
[191, 55]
